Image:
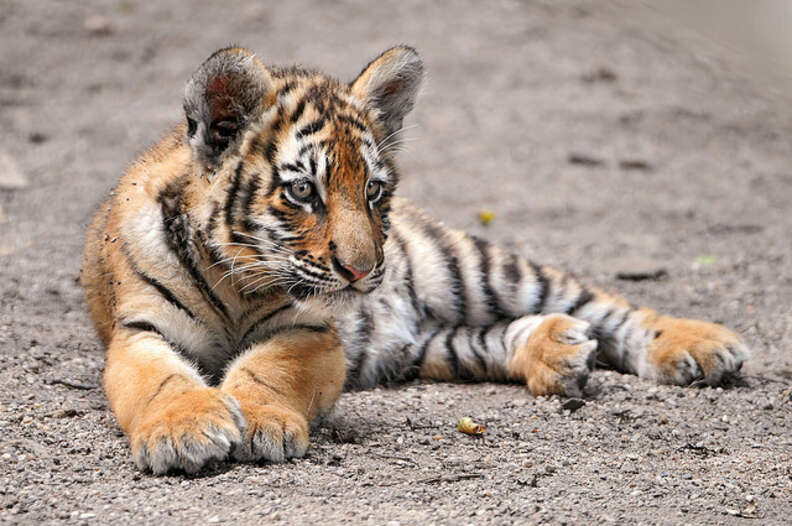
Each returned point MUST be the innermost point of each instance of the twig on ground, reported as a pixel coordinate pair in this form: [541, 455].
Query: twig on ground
[435, 480]
[394, 457]
[766, 379]
[450, 478]
[73, 385]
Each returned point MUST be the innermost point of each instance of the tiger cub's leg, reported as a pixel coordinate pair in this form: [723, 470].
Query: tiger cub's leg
[554, 353]
[669, 350]
[282, 385]
[683, 350]
[173, 420]
[551, 354]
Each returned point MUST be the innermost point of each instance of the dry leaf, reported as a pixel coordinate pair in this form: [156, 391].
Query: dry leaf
[486, 217]
[467, 426]
[749, 512]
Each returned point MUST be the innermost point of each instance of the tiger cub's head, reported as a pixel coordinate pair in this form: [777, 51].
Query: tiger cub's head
[298, 168]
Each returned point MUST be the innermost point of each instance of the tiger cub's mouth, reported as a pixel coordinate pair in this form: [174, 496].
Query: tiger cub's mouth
[335, 288]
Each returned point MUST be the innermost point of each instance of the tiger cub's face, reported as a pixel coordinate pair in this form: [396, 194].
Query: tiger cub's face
[308, 168]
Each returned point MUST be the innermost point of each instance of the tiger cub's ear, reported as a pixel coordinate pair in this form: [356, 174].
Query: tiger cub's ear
[389, 84]
[224, 95]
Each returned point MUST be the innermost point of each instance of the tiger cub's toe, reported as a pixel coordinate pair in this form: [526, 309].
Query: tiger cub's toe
[552, 354]
[686, 351]
[274, 433]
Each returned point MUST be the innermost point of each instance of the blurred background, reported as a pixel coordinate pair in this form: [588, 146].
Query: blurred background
[754, 35]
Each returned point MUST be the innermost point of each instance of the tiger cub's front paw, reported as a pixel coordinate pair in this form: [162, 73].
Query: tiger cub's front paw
[552, 354]
[187, 431]
[686, 351]
[274, 433]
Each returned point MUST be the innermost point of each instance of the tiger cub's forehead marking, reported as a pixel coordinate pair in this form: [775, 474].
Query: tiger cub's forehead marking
[314, 119]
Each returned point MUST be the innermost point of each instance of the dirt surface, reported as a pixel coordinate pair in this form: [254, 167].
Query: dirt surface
[603, 137]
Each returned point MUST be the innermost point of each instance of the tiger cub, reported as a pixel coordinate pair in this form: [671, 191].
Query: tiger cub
[255, 263]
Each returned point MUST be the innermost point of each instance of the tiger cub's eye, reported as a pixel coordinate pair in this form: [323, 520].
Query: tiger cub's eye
[301, 189]
[373, 190]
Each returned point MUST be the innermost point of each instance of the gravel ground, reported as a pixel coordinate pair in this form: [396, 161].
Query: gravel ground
[603, 137]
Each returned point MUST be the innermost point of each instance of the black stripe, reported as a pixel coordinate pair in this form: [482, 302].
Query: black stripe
[162, 289]
[165, 293]
[286, 328]
[161, 386]
[253, 186]
[307, 272]
[352, 121]
[182, 244]
[281, 215]
[288, 87]
[232, 194]
[457, 285]
[276, 126]
[543, 284]
[353, 377]
[215, 253]
[622, 321]
[503, 327]
[271, 151]
[291, 239]
[298, 111]
[304, 149]
[414, 371]
[311, 128]
[248, 225]
[290, 167]
[261, 321]
[259, 381]
[143, 326]
[408, 278]
[512, 276]
[491, 298]
[477, 352]
[365, 327]
[511, 269]
[460, 371]
[301, 327]
[480, 337]
[583, 298]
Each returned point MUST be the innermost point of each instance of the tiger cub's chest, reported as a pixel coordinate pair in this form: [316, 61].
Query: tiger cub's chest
[214, 343]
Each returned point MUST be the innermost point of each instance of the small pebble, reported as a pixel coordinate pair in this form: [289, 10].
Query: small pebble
[573, 404]
[11, 177]
[98, 25]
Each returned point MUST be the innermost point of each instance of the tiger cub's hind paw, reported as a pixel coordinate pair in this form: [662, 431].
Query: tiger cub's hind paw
[187, 431]
[686, 351]
[553, 354]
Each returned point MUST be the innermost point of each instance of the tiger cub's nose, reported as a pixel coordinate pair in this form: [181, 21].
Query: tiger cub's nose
[350, 272]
